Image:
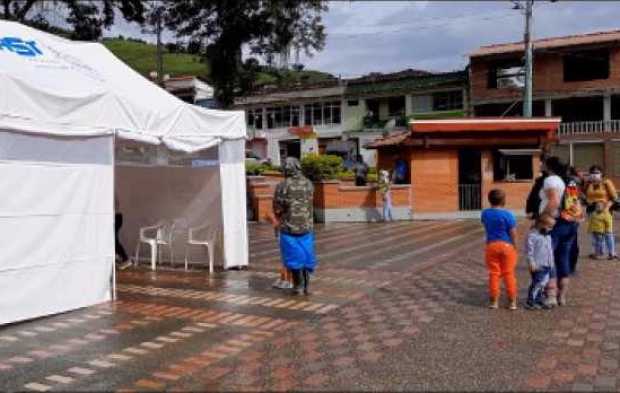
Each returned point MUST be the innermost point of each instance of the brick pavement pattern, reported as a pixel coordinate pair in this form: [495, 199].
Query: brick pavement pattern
[393, 307]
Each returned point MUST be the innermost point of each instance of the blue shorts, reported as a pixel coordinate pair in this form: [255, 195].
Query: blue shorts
[298, 251]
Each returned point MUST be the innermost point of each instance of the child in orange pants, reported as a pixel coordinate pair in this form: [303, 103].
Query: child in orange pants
[500, 254]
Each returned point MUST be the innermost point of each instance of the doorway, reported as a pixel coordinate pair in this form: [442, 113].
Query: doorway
[290, 148]
[470, 180]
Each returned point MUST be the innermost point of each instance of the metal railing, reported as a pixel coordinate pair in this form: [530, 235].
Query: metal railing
[589, 127]
[470, 196]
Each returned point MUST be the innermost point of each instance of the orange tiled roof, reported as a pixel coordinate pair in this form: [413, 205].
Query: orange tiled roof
[553, 42]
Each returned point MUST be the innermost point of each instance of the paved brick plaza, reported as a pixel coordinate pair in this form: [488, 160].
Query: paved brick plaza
[395, 307]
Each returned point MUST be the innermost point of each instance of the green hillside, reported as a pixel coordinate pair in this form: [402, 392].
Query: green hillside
[141, 57]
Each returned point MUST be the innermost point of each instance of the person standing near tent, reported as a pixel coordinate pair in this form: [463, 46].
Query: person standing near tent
[294, 219]
[119, 249]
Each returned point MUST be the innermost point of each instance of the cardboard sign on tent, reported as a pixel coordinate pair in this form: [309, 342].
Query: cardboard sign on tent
[63, 107]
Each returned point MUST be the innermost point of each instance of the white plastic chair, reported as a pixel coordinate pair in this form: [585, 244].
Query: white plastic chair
[149, 235]
[207, 241]
[165, 237]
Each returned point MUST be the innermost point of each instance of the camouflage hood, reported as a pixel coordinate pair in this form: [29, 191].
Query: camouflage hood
[292, 167]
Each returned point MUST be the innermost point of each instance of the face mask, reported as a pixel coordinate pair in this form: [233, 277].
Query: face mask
[596, 177]
[544, 231]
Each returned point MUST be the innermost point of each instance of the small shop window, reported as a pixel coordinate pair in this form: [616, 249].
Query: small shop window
[513, 165]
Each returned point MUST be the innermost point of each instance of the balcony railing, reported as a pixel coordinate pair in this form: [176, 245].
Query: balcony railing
[589, 127]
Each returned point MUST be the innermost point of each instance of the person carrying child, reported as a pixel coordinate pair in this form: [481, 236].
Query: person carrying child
[600, 227]
[500, 253]
[539, 252]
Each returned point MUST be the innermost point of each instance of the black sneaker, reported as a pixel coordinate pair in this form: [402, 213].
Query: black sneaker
[532, 306]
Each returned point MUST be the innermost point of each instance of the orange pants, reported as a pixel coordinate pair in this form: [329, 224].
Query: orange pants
[501, 259]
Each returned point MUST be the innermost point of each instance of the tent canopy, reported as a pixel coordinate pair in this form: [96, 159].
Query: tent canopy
[62, 104]
[55, 86]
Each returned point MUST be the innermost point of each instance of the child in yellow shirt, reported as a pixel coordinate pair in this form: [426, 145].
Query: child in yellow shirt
[601, 228]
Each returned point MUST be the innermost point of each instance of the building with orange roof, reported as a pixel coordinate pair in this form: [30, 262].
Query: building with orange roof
[454, 163]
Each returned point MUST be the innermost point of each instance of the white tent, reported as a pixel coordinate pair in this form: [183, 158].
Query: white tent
[63, 106]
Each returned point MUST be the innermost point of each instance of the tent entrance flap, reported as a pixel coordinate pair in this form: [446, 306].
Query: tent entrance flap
[177, 192]
[56, 218]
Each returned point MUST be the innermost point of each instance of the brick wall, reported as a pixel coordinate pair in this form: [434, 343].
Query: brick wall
[548, 78]
[260, 193]
[435, 176]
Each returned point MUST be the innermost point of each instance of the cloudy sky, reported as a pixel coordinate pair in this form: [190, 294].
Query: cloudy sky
[384, 36]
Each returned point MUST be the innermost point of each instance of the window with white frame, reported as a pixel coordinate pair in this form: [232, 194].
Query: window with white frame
[283, 116]
[513, 165]
[322, 113]
[448, 100]
[254, 118]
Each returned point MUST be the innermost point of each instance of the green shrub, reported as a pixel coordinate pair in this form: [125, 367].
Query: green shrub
[346, 175]
[321, 167]
[372, 178]
[372, 170]
[253, 168]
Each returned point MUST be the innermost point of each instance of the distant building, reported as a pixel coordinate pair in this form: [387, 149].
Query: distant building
[576, 78]
[192, 90]
[342, 116]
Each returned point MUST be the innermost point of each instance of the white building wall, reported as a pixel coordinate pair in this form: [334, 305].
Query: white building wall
[353, 116]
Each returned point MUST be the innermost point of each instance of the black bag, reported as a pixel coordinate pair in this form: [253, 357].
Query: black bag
[532, 205]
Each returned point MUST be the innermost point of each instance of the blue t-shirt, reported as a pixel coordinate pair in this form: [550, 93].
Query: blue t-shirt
[498, 223]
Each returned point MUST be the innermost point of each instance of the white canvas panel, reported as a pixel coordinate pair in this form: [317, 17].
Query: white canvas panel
[42, 148]
[234, 213]
[45, 290]
[56, 222]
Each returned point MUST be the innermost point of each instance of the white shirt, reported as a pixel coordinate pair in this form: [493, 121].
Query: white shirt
[553, 182]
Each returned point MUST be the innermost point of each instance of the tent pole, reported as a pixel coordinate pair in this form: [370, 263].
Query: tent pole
[113, 213]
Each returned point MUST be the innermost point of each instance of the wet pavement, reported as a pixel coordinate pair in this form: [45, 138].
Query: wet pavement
[393, 307]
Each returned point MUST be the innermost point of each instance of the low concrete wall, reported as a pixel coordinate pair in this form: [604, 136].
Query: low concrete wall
[334, 201]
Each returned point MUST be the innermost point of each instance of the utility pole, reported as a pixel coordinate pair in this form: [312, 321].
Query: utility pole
[527, 39]
[160, 55]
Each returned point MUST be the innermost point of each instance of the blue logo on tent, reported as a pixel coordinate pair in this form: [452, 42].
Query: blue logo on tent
[20, 47]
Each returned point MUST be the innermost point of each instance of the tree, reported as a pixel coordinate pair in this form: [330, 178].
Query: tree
[86, 17]
[266, 27]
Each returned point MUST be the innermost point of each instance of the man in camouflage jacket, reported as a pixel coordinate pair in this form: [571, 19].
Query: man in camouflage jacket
[293, 210]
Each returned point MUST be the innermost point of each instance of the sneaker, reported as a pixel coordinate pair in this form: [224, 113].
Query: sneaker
[282, 284]
[493, 304]
[550, 303]
[125, 265]
[612, 257]
[513, 305]
[533, 306]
